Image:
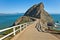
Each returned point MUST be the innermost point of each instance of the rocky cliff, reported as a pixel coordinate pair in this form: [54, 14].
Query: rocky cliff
[37, 11]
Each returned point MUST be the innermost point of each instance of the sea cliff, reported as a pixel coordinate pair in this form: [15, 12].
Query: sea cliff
[37, 11]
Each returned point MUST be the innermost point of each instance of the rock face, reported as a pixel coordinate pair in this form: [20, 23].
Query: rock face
[37, 11]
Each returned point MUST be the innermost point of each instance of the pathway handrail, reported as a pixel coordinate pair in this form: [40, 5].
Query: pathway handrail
[14, 29]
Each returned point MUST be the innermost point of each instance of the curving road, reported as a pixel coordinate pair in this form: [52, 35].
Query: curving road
[31, 33]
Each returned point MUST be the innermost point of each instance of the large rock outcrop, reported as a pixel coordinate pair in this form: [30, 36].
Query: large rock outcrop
[37, 11]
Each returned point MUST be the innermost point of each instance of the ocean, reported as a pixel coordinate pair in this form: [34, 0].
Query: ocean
[56, 17]
[6, 20]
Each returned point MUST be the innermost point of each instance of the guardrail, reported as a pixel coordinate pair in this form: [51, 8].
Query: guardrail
[21, 26]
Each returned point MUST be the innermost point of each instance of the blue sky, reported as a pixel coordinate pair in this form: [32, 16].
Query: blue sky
[21, 6]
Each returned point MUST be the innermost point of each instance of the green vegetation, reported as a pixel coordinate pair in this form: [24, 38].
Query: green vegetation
[9, 31]
[24, 20]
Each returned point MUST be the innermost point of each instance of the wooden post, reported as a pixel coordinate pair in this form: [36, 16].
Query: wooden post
[0, 39]
[14, 30]
[20, 28]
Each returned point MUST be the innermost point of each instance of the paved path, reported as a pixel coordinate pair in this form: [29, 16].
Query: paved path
[31, 33]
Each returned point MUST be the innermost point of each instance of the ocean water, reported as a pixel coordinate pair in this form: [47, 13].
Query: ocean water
[56, 17]
[6, 20]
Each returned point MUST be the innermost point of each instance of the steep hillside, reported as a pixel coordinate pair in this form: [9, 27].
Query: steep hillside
[37, 11]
